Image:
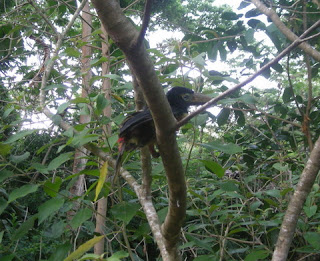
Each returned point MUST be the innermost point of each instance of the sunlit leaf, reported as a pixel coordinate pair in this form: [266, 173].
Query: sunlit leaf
[83, 248]
[102, 179]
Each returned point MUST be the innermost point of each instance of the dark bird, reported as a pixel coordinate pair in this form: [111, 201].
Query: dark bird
[138, 129]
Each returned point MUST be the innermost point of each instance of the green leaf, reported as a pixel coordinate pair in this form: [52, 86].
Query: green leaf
[39, 167]
[8, 257]
[1, 236]
[125, 211]
[102, 179]
[52, 188]
[24, 228]
[214, 167]
[247, 98]
[313, 239]
[117, 256]
[223, 116]
[82, 216]
[287, 95]
[310, 211]
[241, 120]
[72, 52]
[228, 186]
[3, 204]
[102, 102]
[22, 191]
[58, 161]
[230, 16]
[19, 158]
[249, 35]
[228, 148]
[19, 136]
[4, 174]
[199, 59]
[56, 119]
[5, 149]
[257, 255]
[48, 208]
[61, 252]
[7, 112]
[83, 248]
[200, 243]
[80, 100]
[280, 167]
[62, 107]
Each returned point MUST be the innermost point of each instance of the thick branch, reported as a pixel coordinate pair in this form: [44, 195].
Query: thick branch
[124, 34]
[296, 203]
[213, 101]
[284, 29]
[145, 22]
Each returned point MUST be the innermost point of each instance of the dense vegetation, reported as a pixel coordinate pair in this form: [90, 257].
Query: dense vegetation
[242, 159]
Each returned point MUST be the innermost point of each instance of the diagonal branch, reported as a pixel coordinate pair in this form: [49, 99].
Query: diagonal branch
[213, 101]
[124, 34]
[145, 22]
[296, 203]
[284, 29]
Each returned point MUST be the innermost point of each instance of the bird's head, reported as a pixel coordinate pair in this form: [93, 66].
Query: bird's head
[182, 98]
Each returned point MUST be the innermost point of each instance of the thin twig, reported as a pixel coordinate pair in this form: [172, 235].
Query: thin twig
[249, 79]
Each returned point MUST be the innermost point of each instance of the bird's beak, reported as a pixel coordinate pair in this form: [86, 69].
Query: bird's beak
[199, 99]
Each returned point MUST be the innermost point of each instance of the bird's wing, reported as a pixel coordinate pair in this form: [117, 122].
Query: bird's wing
[135, 119]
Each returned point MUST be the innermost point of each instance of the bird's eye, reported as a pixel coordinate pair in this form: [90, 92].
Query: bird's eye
[186, 96]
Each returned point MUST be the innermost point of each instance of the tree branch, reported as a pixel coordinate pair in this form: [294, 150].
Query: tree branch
[296, 203]
[124, 34]
[213, 101]
[284, 29]
[145, 22]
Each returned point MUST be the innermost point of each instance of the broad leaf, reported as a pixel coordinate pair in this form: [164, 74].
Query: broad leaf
[313, 239]
[58, 161]
[22, 191]
[214, 167]
[52, 188]
[82, 216]
[19, 136]
[125, 211]
[83, 248]
[24, 228]
[257, 255]
[102, 179]
[4, 174]
[49, 207]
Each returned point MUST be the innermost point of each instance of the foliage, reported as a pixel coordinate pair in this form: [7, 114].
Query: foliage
[242, 160]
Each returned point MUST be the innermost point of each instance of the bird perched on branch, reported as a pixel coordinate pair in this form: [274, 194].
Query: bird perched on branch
[138, 129]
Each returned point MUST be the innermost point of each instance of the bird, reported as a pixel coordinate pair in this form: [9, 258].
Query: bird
[138, 130]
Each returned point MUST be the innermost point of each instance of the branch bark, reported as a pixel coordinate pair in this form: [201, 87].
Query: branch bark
[284, 29]
[124, 34]
[296, 203]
